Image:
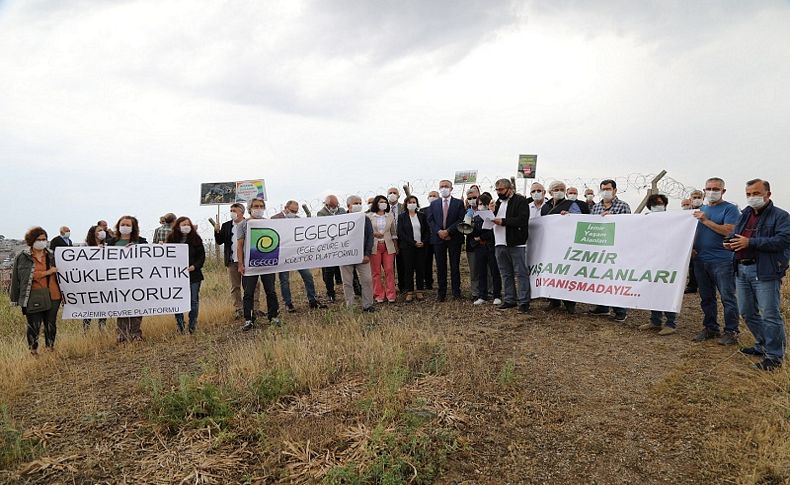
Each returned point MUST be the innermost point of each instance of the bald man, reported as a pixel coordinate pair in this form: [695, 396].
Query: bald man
[64, 239]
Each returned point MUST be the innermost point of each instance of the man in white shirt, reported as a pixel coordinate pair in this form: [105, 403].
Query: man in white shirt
[538, 195]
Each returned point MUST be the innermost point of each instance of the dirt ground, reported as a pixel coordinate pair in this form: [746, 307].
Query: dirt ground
[588, 400]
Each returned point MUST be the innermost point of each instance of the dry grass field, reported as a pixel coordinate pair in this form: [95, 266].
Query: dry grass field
[414, 393]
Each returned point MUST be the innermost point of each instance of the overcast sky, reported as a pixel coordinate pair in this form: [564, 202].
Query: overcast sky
[122, 107]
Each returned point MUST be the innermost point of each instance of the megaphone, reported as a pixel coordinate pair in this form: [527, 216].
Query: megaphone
[465, 227]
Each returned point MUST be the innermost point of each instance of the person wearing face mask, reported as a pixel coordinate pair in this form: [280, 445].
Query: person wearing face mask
[559, 203]
[225, 236]
[511, 231]
[697, 199]
[370, 204]
[537, 197]
[291, 211]
[761, 243]
[96, 237]
[610, 205]
[128, 230]
[331, 275]
[257, 208]
[662, 321]
[384, 249]
[589, 198]
[428, 269]
[713, 264]
[485, 257]
[363, 269]
[62, 240]
[444, 215]
[396, 208]
[184, 232]
[103, 224]
[413, 231]
[685, 204]
[470, 244]
[165, 228]
[34, 288]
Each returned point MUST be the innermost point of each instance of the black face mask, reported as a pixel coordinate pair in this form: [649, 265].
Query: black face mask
[502, 196]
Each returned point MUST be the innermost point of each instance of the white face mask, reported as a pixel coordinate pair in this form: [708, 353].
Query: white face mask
[607, 194]
[431, 199]
[332, 210]
[589, 197]
[411, 206]
[392, 198]
[186, 229]
[67, 235]
[40, 245]
[696, 203]
[383, 206]
[101, 235]
[756, 202]
[257, 213]
[573, 196]
[290, 215]
[125, 230]
[712, 196]
[236, 216]
[444, 192]
[537, 195]
[658, 208]
[472, 202]
[356, 208]
[558, 194]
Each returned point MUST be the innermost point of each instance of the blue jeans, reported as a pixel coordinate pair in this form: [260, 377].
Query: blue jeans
[194, 297]
[759, 305]
[309, 285]
[512, 264]
[717, 276]
[656, 317]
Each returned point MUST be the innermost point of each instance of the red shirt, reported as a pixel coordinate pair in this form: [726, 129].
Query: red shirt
[748, 230]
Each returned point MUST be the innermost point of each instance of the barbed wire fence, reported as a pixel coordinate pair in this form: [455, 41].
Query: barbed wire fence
[634, 183]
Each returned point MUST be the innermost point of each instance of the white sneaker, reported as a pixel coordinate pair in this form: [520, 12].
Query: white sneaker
[479, 301]
[497, 301]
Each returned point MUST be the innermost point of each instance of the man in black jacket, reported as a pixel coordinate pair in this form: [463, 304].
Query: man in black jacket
[225, 235]
[511, 231]
[64, 239]
[558, 203]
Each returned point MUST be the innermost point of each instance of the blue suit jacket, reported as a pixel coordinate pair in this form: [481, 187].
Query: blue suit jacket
[455, 214]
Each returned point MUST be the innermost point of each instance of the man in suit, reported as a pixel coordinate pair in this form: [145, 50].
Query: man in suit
[226, 235]
[393, 195]
[63, 240]
[511, 230]
[444, 215]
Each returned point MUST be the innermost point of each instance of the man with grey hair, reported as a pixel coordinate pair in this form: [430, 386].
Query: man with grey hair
[558, 203]
[331, 275]
[537, 197]
[713, 263]
[291, 211]
[761, 244]
[61, 240]
[511, 231]
[444, 215]
[354, 204]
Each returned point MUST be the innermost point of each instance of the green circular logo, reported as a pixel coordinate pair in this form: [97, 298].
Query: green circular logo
[268, 240]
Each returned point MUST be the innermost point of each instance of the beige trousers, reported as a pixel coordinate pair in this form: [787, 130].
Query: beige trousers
[365, 281]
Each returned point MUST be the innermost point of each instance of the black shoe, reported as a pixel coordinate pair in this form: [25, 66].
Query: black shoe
[689, 290]
[505, 306]
[621, 317]
[570, 307]
[441, 298]
[523, 308]
[428, 287]
[331, 298]
[369, 309]
[553, 305]
[317, 304]
[598, 311]
[729, 338]
[768, 364]
[751, 351]
[706, 334]
[248, 325]
[289, 307]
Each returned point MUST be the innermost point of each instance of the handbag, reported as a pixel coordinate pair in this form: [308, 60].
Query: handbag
[40, 300]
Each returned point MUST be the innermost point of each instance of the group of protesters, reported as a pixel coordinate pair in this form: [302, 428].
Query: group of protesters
[741, 255]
